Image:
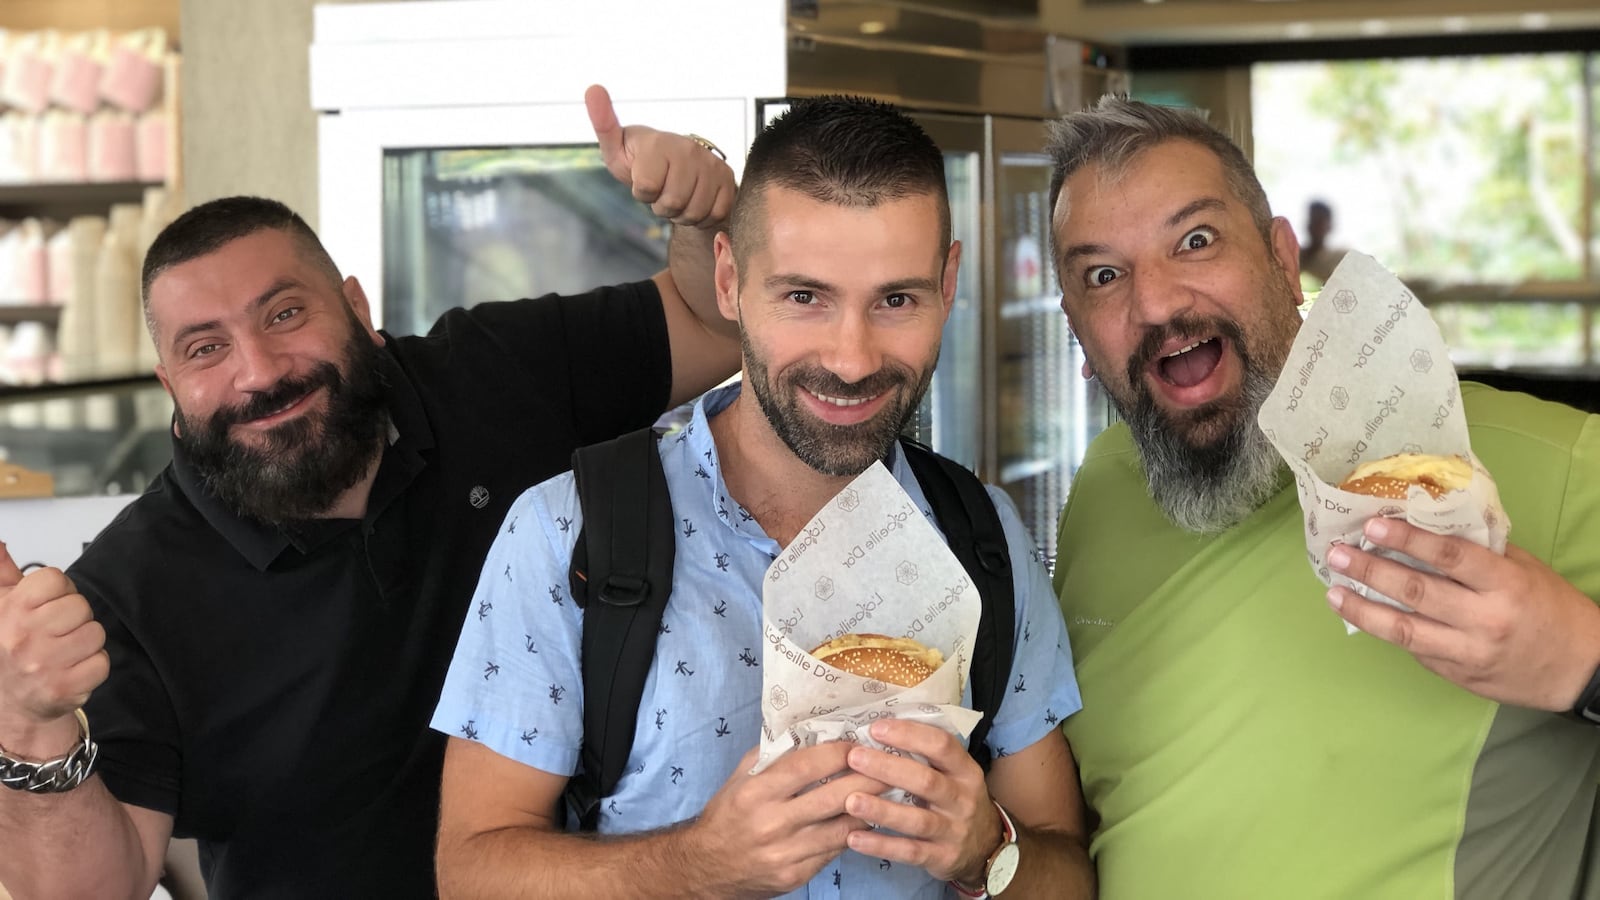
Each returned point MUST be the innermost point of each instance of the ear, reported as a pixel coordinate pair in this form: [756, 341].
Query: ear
[1286, 249]
[166, 384]
[356, 298]
[952, 268]
[725, 276]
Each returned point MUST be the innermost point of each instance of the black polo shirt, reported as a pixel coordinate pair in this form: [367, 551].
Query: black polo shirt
[272, 688]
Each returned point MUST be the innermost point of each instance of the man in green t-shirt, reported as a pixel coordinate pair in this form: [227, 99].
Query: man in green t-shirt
[1235, 742]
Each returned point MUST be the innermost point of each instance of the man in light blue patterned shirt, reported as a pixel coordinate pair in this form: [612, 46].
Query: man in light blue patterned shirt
[840, 270]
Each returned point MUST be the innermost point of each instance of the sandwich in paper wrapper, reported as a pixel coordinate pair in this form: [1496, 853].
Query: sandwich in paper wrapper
[1369, 377]
[868, 562]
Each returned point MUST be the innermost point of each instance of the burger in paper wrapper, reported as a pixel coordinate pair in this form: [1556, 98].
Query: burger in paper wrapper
[899, 661]
[1367, 414]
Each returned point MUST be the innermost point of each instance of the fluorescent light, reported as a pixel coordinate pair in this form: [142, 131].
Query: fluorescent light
[1536, 21]
[873, 27]
[1374, 27]
[1298, 30]
[1455, 24]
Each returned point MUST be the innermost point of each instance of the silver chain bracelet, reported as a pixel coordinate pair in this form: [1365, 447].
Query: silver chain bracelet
[57, 775]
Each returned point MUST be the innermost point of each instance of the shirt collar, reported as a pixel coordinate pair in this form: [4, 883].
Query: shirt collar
[260, 543]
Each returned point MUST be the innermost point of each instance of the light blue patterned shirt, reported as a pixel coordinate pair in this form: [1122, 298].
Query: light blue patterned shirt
[515, 684]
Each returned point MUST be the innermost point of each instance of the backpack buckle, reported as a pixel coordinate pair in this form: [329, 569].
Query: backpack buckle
[994, 560]
[623, 591]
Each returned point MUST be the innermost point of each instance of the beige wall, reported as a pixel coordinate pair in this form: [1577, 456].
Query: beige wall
[248, 127]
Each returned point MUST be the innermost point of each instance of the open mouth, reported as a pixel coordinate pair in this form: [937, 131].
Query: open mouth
[842, 402]
[274, 416]
[1190, 364]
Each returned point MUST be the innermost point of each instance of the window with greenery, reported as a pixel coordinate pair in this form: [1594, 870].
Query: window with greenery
[1473, 178]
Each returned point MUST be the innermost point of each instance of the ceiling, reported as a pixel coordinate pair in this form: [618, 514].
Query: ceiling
[1144, 22]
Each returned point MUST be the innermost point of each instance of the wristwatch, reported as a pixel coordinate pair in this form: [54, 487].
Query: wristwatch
[1587, 708]
[1002, 864]
[57, 775]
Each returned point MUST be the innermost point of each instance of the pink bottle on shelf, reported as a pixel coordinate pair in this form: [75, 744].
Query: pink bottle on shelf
[153, 160]
[19, 147]
[75, 83]
[26, 81]
[63, 147]
[111, 154]
[133, 76]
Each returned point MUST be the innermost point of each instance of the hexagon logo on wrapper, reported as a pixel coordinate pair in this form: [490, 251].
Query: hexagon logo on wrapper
[824, 588]
[1421, 361]
[1490, 517]
[778, 697]
[1338, 398]
[874, 687]
[1345, 301]
[906, 572]
[849, 500]
[1391, 512]
[1412, 447]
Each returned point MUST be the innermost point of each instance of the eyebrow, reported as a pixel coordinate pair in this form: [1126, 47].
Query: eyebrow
[1204, 204]
[260, 300]
[807, 283]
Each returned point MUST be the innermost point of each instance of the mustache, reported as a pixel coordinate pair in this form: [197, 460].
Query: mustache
[1181, 327]
[821, 381]
[286, 391]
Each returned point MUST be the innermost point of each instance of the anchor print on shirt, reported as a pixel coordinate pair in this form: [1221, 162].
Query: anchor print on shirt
[722, 509]
[490, 668]
[707, 455]
[470, 730]
[748, 658]
[721, 609]
[1027, 630]
[564, 523]
[483, 609]
[700, 472]
[1050, 717]
[612, 808]
[688, 528]
[529, 735]
[661, 717]
[722, 727]
[555, 595]
[665, 628]
[1021, 685]
[683, 669]
[722, 562]
[511, 527]
[530, 644]
[556, 691]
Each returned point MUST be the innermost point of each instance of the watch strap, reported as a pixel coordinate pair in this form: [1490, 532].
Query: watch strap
[53, 776]
[1587, 707]
[1008, 836]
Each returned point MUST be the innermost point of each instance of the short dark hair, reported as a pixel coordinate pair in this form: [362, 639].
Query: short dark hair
[207, 227]
[848, 151]
[1114, 131]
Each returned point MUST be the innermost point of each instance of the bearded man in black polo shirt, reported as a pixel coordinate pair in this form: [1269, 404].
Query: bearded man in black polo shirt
[264, 632]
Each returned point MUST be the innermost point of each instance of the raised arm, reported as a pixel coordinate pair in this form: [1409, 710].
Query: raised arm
[499, 835]
[688, 184]
[80, 842]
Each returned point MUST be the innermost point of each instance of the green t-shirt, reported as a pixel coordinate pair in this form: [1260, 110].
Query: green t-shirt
[1236, 743]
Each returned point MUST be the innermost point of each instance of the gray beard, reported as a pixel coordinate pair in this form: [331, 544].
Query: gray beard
[1209, 489]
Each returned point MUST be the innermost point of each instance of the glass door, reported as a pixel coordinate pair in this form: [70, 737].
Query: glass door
[951, 418]
[465, 225]
[1046, 412]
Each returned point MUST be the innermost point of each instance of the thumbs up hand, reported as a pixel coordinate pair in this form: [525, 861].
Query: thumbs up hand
[52, 654]
[682, 179]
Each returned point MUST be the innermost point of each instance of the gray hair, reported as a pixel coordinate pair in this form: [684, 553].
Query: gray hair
[1113, 132]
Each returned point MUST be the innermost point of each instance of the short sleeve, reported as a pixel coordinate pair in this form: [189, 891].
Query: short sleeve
[515, 682]
[1043, 691]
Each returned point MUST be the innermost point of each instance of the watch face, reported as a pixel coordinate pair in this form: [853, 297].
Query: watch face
[1002, 868]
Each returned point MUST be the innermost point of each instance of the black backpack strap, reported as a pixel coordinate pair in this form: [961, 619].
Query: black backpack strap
[621, 575]
[972, 526]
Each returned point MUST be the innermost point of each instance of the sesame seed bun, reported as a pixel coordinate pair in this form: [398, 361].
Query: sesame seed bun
[1393, 476]
[898, 661]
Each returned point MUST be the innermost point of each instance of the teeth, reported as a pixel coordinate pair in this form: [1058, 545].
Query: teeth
[840, 401]
[1181, 351]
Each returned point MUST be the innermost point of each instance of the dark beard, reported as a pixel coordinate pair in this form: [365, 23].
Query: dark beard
[834, 449]
[307, 462]
[1211, 467]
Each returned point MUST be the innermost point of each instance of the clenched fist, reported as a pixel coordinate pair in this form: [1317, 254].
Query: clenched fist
[52, 651]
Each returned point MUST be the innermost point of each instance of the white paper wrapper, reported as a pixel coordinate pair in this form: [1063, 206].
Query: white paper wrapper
[1369, 377]
[868, 562]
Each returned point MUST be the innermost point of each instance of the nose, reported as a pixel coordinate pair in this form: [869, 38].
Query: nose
[852, 352]
[1158, 295]
[258, 366]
